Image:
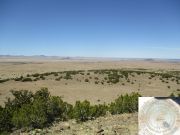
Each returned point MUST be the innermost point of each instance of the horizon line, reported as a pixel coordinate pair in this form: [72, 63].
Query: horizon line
[93, 57]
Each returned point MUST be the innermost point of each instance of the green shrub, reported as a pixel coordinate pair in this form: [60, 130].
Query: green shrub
[5, 120]
[28, 110]
[113, 78]
[55, 74]
[82, 73]
[68, 76]
[21, 117]
[42, 77]
[59, 109]
[125, 104]
[27, 80]
[3, 80]
[20, 98]
[43, 94]
[38, 114]
[96, 82]
[98, 110]
[82, 110]
[172, 95]
[86, 80]
[35, 75]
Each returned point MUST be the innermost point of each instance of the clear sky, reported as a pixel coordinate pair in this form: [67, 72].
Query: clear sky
[91, 28]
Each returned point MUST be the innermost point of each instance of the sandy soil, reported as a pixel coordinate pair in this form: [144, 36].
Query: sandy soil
[16, 67]
[72, 90]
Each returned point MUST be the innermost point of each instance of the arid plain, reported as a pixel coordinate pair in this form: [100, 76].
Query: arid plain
[89, 83]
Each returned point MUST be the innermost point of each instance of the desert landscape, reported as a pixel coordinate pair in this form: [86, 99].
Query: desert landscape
[80, 67]
[97, 80]
[94, 79]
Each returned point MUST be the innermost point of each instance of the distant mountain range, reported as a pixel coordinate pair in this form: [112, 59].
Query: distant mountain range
[82, 58]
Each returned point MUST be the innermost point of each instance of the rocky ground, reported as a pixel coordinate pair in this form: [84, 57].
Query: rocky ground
[124, 124]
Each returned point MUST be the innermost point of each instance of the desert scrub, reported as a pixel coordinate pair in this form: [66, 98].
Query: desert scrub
[55, 74]
[88, 73]
[3, 80]
[82, 73]
[125, 104]
[35, 75]
[27, 80]
[82, 110]
[68, 76]
[38, 110]
[96, 82]
[42, 77]
[18, 78]
[86, 80]
[113, 78]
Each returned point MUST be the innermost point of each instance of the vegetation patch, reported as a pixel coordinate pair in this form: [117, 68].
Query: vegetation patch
[27, 110]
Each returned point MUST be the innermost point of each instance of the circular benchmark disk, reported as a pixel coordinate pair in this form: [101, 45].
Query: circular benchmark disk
[159, 117]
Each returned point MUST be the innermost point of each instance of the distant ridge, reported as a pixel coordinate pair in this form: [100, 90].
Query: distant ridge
[83, 58]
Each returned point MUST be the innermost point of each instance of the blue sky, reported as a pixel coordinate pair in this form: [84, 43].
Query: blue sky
[91, 28]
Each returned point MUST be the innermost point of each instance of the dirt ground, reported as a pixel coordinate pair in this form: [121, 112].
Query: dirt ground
[72, 90]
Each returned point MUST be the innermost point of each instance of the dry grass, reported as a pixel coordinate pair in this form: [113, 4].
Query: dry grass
[78, 89]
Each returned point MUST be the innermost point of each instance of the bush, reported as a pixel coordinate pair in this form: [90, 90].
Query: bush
[125, 104]
[28, 110]
[19, 79]
[21, 117]
[86, 80]
[96, 82]
[98, 110]
[35, 75]
[38, 114]
[42, 77]
[3, 80]
[172, 95]
[113, 78]
[20, 98]
[68, 76]
[59, 109]
[82, 110]
[55, 74]
[82, 73]
[43, 94]
[5, 119]
[27, 80]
